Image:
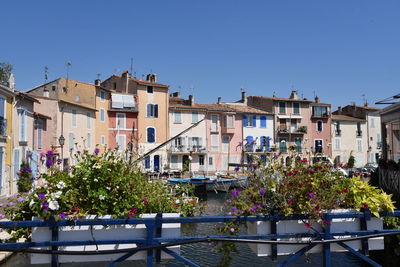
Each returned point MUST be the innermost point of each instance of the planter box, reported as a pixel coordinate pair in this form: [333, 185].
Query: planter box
[297, 226]
[82, 233]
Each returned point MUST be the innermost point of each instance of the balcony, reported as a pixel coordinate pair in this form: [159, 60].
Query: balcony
[3, 126]
[358, 133]
[123, 102]
[320, 115]
[112, 107]
[225, 130]
[257, 149]
[292, 130]
[188, 149]
[338, 132]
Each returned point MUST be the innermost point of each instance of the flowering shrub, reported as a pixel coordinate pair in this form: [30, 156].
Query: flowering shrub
[98, 185]
[25, 178]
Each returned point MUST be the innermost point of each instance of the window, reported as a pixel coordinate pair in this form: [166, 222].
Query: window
[282, 107]
[225, 144]
[296, 108]
[359, 132]
[372, 122]
[16, 163]
[150, 89]
[337, 144]
[320, 111]
[247, 122]
[210, 161]
[249, 143]
[121, 142]
[282, 145]
[337, 130]
[53, 87]
[40, 133]
[359, 145]
[214, 143]
[201, 160]
[147, 162]
[254, 121]
[263, 122]
[151, 135]
[229, 121]
[174, 162]
[297, 142]
[71, 141]
[73, 121]
[103, 140]
[102, 96]
[2, 107]
[121, 121]
[195, 142]
[195, 117]
[214, 123]
[115, 86]
[88, 120]
[89, 140]
[102, 115]
[318, 146]
[22, 124]
[177, 117]
[319, 126]
[265, 143]
[152, 110]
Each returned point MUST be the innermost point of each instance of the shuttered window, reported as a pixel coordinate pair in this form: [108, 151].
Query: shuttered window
[151, 137]
[71, 141]
[263, 122]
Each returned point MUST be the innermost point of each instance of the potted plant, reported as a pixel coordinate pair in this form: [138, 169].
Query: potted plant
[98, 186]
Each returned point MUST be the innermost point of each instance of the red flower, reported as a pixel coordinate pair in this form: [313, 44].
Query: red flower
[290, 201]
[307, 224]
[365, 206]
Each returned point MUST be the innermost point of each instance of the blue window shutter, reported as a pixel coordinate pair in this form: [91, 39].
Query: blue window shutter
[263, 141]
[254, 121]
[263, 122]
[150, 135]
[244, 120]
[148, 110]
[147, 162]
[250, 142]
[156, 111]
[268, 144]
[2, 107]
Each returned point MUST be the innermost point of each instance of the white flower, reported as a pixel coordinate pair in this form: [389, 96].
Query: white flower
[96, 166]
[177, 201]
[101, 197]
[95, 179]
[53, 205]
[84, 178]
[31, 203]
[108, 188]
[61, 185]
[56, 194]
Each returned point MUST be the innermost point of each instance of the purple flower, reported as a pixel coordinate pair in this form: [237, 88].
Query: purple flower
[49, 163]
[20, 199]
[233, 208]
[255, 207]
[62, 215]
[235, 193]
[10, 203]
[45, 205]
[2, 216]
[262, 191]
[96, 151]
[42, 154]
[232, 230]
[311, 195]
[237, 169]
[50, 153]
[41, 195]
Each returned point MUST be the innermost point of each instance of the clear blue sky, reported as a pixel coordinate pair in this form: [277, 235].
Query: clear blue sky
[339, 49]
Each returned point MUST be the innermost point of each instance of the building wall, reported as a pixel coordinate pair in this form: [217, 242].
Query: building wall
[129, 131]
[220, 159]
[102, 126]
[348, 143]
[6, 145]
[324, 135]
[374, 139]
[48, 107]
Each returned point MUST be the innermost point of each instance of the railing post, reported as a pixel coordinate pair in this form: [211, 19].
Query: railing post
[149, 241]
[363, 227]
[274, 247]
[54, 237]
[327, 235]
[158, 225]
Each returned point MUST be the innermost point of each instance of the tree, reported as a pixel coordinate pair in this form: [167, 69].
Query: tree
[5, 71]
[351, 161]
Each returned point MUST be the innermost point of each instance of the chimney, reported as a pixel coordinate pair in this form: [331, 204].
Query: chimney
[97, 82]
[317, 99]
[191, 100]
[175, 94]
[151, 78]
[244, 97]
[219, 100]
[353, 103]
[293, 95]
[125, 81]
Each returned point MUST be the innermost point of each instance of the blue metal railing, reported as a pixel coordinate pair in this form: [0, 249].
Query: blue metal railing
[153, 243]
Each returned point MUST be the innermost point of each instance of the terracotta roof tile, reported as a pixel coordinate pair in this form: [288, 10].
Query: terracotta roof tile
[283, 99]
[345, 118]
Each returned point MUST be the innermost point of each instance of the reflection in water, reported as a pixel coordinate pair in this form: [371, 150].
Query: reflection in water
[202, 254]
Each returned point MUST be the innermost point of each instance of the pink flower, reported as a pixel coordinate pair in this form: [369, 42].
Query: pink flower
[232, 230]
[290, 201]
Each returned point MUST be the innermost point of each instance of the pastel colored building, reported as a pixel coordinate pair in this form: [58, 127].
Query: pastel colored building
[349, 139]
[188, 151]
[390, 127]
[152, 128]
[291, 123]
[6, 124]
[320, 127]
[103, 99]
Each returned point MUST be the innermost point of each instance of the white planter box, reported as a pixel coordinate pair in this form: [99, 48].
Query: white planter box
[83, 233]
[297, 226]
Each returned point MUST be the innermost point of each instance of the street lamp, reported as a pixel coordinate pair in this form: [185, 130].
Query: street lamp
[61, 141]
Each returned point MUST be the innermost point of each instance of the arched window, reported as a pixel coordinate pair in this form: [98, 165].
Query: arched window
[151, 135]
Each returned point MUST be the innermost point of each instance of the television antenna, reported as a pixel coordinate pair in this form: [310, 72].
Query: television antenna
[46, 73]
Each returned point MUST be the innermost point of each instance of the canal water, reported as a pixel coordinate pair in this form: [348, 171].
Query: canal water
[203, 254]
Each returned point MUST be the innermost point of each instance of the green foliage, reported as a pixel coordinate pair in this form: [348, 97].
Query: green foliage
[25, 179]
[5, 71]
[351, 161]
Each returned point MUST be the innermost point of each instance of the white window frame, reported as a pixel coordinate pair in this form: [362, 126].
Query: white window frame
[216, 123]
[39, 133]
[104, 115]
[338, 144]
[177, 119]
[117, 143]
[22, 113]
[359, 145]
[214, 142]
[279, 107]
[228, 125]
[193, 117]
[225, 146]
[174, 165]
[322, 126]
[294, 109]
[103, 140]
[117, 120]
